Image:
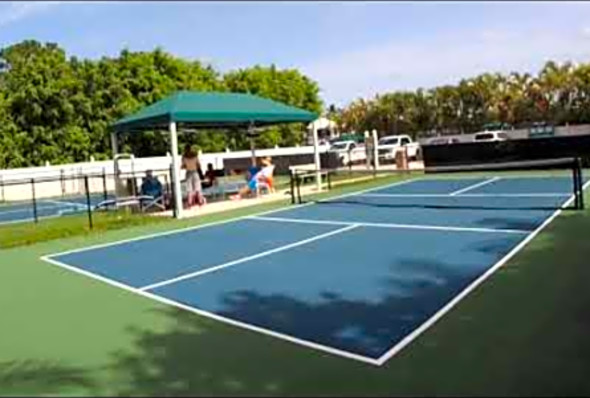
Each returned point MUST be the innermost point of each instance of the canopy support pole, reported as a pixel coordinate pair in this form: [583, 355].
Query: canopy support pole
[114, 144]
[175, 170]
[251, 134]
[316, 156]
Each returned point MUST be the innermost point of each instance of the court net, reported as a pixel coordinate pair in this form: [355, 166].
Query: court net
[538, 184]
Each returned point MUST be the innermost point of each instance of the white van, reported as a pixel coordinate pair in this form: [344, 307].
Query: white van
[485, 136]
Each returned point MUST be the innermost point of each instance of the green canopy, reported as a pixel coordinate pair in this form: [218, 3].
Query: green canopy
[212, 109]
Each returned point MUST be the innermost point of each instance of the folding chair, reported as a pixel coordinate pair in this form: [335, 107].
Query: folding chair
[152, 199]
[148, 202]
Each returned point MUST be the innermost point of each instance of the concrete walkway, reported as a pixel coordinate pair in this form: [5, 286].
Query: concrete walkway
[225, 205]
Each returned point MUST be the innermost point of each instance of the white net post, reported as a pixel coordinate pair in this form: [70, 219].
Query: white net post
[375, 141]
[368, 150]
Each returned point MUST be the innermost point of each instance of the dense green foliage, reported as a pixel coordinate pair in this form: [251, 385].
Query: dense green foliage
[559, 94]
[58, 109]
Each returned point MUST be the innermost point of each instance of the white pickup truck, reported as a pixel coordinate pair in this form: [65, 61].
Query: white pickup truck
[390, 144]
[349, 152]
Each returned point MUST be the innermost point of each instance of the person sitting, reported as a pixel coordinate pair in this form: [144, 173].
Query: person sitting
[151, 188]
[252, 170]
[210, 177]
[263, 177]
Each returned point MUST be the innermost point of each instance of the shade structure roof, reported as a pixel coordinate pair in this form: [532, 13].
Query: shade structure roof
[211, 110]
[322, 123]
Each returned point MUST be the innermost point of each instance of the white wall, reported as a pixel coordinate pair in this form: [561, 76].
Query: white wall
[140, 165]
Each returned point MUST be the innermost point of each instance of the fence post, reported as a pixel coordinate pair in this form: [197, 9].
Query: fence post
[88, 208]
[62, 178]
[349, 161]
[298, 180]
[2, 187]
[104, 183]
[174, 209]
[292, 185]
[579, 167]
[34, 200]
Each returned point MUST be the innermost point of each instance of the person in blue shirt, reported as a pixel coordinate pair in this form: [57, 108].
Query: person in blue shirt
[252, 170]
[151, 186]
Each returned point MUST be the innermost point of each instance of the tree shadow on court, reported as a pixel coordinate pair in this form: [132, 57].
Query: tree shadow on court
[497, 245]
[206, 357]
[521, 333]
[509, 223]
[197, 356]
[42, 377]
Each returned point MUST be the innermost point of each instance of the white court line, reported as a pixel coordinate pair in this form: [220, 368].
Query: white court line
[59, 213]
[206, 314]
[467, 195]
[248, 258]
[63, 203]
[392, 225]
[229, 220]
[26, 209]
[24, 220]
[470, 187]
[29, 208]
[440, 313]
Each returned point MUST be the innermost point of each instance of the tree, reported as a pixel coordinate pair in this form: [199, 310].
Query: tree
[288, 86]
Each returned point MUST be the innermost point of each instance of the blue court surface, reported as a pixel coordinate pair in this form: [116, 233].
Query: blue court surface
[46, 208]
[359, 275]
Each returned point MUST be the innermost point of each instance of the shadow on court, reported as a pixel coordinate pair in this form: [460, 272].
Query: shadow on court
[522, 333]
[42, 377]
[202, 356]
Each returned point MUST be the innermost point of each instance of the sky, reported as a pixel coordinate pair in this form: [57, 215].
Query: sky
[351, 49]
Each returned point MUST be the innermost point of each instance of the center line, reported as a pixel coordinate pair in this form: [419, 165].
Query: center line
[249, 258]
[469, 188]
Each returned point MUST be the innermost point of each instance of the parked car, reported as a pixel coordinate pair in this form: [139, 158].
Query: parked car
[444, 141]
[348, 151]
[390, 144]
[485, 136]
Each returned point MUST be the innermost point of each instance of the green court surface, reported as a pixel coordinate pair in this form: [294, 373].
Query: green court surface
[522, 332]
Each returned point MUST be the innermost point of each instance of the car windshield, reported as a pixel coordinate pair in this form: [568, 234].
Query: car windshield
[388, 141]
[486, 136]
[340, 145]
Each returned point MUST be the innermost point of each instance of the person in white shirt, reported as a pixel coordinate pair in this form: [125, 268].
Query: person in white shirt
[264, 175]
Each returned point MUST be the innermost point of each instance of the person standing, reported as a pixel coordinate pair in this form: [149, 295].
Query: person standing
[190, 162]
